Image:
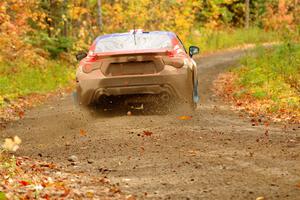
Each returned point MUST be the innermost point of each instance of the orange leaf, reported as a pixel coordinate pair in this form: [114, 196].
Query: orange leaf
[24, 183]
[185, 117]
[298, 185]
[66, 192]
[21, 114]
[46, 196]
[48, 165]
[82, 132]
[148, 133]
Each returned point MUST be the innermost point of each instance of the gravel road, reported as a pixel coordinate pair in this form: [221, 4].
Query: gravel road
[216, 154]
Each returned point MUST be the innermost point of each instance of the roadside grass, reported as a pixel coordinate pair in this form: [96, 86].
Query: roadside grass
[273, 74]
[212, 40]
[268, 82]
[20, 79]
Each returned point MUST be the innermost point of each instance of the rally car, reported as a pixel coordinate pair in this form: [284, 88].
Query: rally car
[138, 64]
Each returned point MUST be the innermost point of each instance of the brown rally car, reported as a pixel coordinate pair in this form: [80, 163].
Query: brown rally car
[139, 64]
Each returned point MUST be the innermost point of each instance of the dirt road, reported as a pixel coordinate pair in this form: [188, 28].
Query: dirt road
[217, 154]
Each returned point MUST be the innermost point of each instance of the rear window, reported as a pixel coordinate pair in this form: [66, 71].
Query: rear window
[125, 42]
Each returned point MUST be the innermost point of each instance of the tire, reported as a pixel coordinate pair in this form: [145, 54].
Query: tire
[195, 96]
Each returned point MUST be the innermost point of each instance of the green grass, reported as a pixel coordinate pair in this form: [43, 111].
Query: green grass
[19, 79]
[273, 74]
[2, 196]
[210, 40]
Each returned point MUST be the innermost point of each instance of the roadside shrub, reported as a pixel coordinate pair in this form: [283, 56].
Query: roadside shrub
[28, 80]
[55, 46]
[273, 74]
[211, 40]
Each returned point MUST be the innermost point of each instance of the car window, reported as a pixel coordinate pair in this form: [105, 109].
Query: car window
[139, 41]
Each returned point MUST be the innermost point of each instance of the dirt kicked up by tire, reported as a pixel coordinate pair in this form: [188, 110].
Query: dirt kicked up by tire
[213, 154]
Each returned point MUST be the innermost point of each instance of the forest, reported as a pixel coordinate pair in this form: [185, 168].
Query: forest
[53, 27]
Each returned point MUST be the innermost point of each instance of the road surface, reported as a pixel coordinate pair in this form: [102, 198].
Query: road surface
[216, 154]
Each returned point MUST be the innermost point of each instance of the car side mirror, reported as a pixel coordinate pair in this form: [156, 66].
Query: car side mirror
[193, 50]
[81, 55]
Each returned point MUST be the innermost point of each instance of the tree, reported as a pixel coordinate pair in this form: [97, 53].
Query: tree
[99, 8]
[247, 13]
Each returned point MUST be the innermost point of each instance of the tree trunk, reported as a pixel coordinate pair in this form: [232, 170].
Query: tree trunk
[50, 23]
[65, 31]
[99, 15]
[247, 13]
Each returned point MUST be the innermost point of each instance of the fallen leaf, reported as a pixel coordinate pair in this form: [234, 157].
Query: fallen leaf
[267, 133]
[66, 192]
[239, 103]
[130, 197]
[104, 180]
[48, 165]
[185, 117]
[114, 190]
[24, 183]
[298, 186]
[82, 132]
[148, 133]
[90, 194]
[21, 114]
[46, 196]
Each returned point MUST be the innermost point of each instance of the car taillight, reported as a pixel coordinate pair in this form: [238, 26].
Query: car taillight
[91, 58]
[89, 63]
[87, 68]
[171, 54]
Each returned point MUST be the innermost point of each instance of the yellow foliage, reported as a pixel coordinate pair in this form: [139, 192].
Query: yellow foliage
[177, 16]
[14, 26]
[281, 16]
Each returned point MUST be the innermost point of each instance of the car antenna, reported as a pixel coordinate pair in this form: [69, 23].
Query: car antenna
[134, 32]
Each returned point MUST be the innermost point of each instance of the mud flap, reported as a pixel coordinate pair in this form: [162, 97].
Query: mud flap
[196, 97]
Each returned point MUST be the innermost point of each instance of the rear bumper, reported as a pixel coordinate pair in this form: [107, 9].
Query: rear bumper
[140, 89]
[177, 85]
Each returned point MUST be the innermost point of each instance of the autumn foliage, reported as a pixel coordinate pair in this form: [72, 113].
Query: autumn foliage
[266, 85]
[14, 27]
[284, 14]
[33, 30]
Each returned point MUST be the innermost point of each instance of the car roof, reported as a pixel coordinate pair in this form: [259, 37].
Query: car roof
[170, 34]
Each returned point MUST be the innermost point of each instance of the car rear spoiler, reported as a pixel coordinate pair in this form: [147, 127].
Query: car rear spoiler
[165, 52]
